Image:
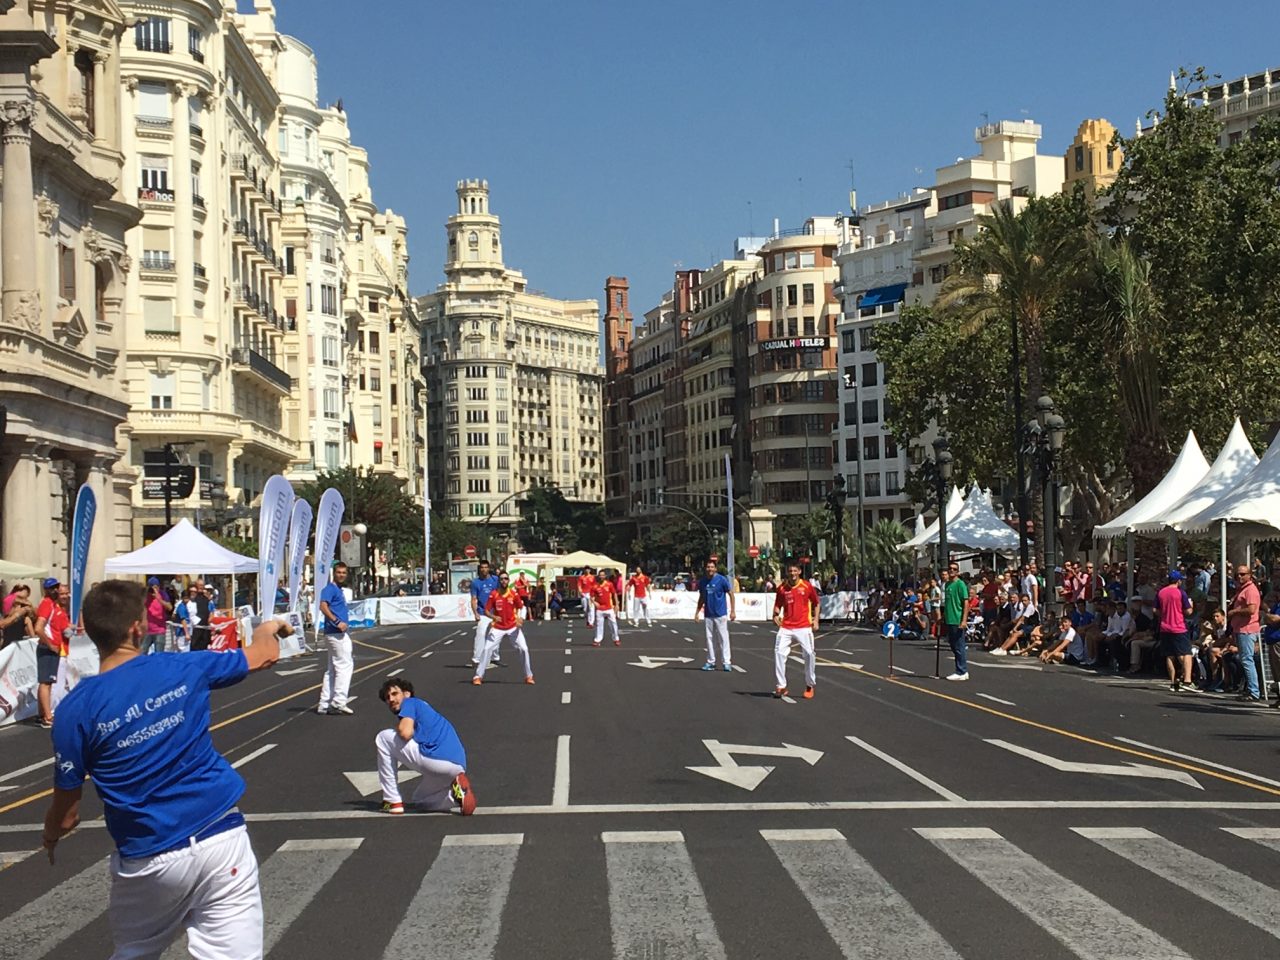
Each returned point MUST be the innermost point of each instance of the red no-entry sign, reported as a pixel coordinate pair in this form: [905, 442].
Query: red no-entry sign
[753, 551]
[470, 551]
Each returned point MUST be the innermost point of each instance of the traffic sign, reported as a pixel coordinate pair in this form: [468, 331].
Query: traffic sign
[470, 551]
[181, 483]
[715, 558]
[753, 551]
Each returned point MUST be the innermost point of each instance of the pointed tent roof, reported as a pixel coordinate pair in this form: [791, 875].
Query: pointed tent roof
[977, 526]
[954, 505]
[1187, 471]
[1234, 463]
[1252, 506]
[184, 549]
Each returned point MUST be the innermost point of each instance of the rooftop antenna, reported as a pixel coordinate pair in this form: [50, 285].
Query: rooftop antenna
[853, 190]
[751, 220]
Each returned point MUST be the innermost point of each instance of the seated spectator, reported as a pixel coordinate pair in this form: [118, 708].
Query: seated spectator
[556, 603]
[1026, 620]
[1117, 633]
[1143, 637]
[1069, 647]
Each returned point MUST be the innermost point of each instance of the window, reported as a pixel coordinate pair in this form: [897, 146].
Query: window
[478, 486]
[870, 374]
[791, 295]
[377, 452]
[375, 381]
[155, 173]
[290, 266]
[870, 411]
[206, 402]
[395, 395]
[850, 414]
[871, 484]
[809, 327]
[1079, 159]
[502, 438]
[331, 403]
[328, 299]
[870, 448]
[375, 342]
[478, 463]
[504, 462]
[793, 260]
[1111, 158]
[891, 485]
[153, 100]
[850, 450]
[890, 444]
[807, 291]
[848, 341]
[806, 259]
[84, 67]
[67, 273]
[331, 456]
[868, 337]
[478, 416]
[938, 274]
[376, 414]
[284, 140]
[195, 43]
[197, 197]
[477, 439]
[477, 393]
[777, 261]
[152, 35]
[162, 385]
[477, 372]
[330, 351]
[157, 316]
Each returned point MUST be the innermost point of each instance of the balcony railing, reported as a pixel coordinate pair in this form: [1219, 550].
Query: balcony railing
[196, 130]
[155, 261]
[200, 271]
[247, 356]
[154, 46]
[242, 228]
[197, 201]
[156, 123]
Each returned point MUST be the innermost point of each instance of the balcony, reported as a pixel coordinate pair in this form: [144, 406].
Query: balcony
[197, 201]
[155, 123]
[156, 261]
[200, 272]
[153, 45]
[248, 360]
[269, 440]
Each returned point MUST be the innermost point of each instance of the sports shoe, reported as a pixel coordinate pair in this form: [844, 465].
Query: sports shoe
[708, 666]
[344, 710]
[999, 652]
[595, 643]
[473, 663]
[1173, 687]
[617, 643]
[808, 693]
[393, 808]
[727, 668]
[462, 793]
[529, 680]
[495, 662]
[958, 676]
[779, 692]
[476, 681]
[322, 710]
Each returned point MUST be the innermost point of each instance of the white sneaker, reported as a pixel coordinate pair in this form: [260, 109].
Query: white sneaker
[322, 709]
[958, 676]
[342, 709]
[999, 652]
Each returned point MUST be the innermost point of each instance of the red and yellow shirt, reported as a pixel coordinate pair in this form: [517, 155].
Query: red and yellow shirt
[796, 604]
[639, 585]
[502, 608]
[602, 595]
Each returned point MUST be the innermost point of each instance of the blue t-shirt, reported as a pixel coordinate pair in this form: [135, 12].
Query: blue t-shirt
[1081, 619]
[337, 600]
[1271, 634]
[434, 735]
[715, 592]
[141, 732]
[480, 589]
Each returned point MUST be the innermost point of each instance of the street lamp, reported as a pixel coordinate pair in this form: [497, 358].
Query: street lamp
[218, 497]
[1045, 435]
[942, 462]
[836, 500]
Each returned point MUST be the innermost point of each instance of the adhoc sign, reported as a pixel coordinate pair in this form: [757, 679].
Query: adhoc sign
[796, 343]
[181, 484]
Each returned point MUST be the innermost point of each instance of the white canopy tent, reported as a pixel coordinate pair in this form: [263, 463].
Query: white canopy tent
[1233, 464]
[930, 535]
[1251, 507]
[977, 526]
[184, 549]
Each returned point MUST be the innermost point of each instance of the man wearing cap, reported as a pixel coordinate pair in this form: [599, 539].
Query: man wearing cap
[158, 610]
[1173, 606]
[53, 631]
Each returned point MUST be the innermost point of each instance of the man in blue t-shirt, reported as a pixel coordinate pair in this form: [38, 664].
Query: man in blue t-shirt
[717, 603]
[140, 731]
[483, 584]
[334, 617]
[423, 741]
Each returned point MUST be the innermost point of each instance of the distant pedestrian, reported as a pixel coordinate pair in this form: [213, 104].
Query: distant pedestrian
[53, 633]
[423, 741]
[796, 611]
[955, 614]
[638, 583]
[483, 584]
[1173, 607]
[718, 605]
[586, 588]
[335, 617]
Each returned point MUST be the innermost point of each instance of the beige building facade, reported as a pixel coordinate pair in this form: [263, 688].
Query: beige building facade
[513, 379]
[64, 218]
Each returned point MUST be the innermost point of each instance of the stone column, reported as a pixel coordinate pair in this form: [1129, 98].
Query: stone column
[21, 299]
[183, 207]
[102, 122]
[26, 536]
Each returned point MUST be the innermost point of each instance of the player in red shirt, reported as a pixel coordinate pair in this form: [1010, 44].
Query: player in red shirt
[603, 596]
[795, 611]
[522, 587]
[53, 630]
[504, 606]
[638, 583]
[587, 583]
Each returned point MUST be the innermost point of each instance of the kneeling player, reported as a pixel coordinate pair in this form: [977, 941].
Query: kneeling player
[795, 611]
[424, 741]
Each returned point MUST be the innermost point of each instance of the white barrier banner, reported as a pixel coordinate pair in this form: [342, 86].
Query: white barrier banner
[672, 604]
[81, 661]
[441, 608]
[755, 606]
[18, 682]
[363, 613]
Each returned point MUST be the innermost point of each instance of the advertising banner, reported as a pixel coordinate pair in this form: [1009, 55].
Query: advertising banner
[299, 533]
[18, 682]
[86, 511]
[444, 608]
[328, 520]
[81, 661]
[273, 527]
[363, 613]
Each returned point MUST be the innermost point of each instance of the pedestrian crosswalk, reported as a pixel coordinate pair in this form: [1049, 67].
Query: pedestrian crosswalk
[455, 896]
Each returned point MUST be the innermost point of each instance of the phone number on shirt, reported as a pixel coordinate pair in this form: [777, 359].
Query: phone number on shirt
[153, 730]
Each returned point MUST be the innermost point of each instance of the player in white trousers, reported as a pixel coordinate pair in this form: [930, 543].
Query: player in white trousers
[586, 588]
[795, 611]
[423, 741]
[503, 608]
[337, 675]
[604, 597]
[717, 603]
[482, 584]
[638, 585]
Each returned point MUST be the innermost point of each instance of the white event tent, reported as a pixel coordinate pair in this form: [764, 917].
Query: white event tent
[1236, 459]
[184, 549]
[978, 527]
[930, 535]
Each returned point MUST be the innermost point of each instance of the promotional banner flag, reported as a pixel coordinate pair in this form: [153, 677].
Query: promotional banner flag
[81, 533]
[328, 520]
[299, 531]
[273, 526]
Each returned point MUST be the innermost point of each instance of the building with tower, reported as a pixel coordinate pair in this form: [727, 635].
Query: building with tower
[513, 379]
[618, 415]
[1093, 158]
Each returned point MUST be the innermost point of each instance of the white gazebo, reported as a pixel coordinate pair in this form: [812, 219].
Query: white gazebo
[955, 504]
[184, 549]
[978, 527]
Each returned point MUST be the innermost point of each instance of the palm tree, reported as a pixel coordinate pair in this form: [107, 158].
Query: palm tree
[1012, 272]
[881, 545]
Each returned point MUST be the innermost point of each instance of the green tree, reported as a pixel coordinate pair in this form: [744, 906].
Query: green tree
[882, 543]
[379, 502]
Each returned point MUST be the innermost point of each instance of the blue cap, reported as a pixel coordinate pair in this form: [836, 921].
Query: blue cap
[49, 583]
[1175, 574]
[153, 581]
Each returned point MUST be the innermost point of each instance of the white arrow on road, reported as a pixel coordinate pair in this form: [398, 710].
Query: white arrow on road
[748, 778]
[1110, 769]
[652, 663]
[368, 782]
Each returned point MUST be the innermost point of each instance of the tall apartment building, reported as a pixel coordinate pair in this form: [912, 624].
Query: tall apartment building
[64, 213]
[654, 357]
[203, 309]
[877, 267]
[793, 362]
[618, 417]
[513, 379]
[1240, 103]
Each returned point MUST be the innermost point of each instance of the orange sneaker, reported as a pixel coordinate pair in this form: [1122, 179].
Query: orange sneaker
[463, 794]
[476, 681]
[808, 693]
[529, 680]
[779, 692]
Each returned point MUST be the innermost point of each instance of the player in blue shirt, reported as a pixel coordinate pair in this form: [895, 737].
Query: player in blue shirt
[334, 616]
[717, 603]
[422, 740]
[140, 731]
[482, 584]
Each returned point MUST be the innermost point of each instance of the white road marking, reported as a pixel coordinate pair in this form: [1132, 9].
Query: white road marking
[652, 663]
[568, 651]
[367, 782]
[729, 771]
[786, 699]
[289, 673]
[642, 836]
[987, 696]
[483, 840]
[861, 910]
[447, 642]
[265, 748]
[33, 930]
[1192, 872]
[457, 911]
[901, 767]
[323, 843]
[427, 654]
[9, 857]
[657, 908]
[1107, 769]
[566, 697]
[396, 672]
[738, 669]
[1267, 836]
[1085, 924]
[568, 668]
[1203, 763]
[13, 774]
[560, 792]
[1006, 666]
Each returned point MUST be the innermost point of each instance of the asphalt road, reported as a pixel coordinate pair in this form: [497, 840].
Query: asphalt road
[1030, 813]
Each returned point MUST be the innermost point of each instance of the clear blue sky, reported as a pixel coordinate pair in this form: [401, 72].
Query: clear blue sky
[624, 138]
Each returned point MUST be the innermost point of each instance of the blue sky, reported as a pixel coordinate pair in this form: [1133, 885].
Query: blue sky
[627, 138]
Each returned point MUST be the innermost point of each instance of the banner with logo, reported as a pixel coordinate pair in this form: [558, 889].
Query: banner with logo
[18, 682]
[273, 526]
[328, 520]
[86, 511]
[443, 608]
[362, 613]
[683, 604]
[299, 532]
[81, 661]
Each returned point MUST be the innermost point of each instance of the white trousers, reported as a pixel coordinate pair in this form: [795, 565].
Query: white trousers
[640, 607]
[210, 888]
[482, 636]
[588, 610]
[606, 616]
[718, 626]
[337, 676]
[516, 637]
[782, 649]
[432, 792]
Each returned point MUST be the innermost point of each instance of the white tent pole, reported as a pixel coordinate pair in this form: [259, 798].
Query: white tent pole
[1128, 556]
[1222, 550]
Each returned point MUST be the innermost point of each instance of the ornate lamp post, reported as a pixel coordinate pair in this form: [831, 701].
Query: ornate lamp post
[1045, 435]
[836, 500]
[942, 461]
